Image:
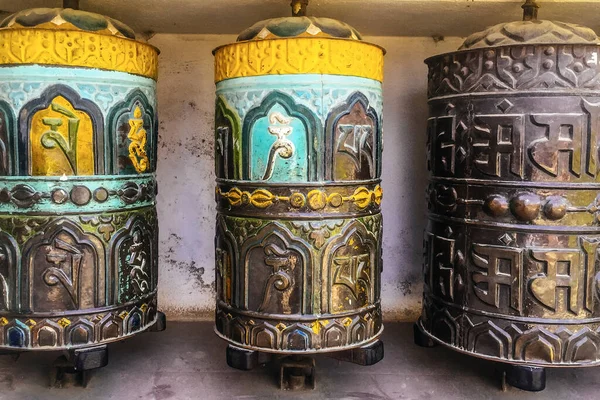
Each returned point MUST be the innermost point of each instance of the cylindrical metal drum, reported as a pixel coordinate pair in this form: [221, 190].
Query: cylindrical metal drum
[298, 165]
[78, 226]
[511, 247]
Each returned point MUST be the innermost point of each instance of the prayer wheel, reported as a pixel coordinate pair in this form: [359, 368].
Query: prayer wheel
[78, 225]
[511, 247]
[298, 164]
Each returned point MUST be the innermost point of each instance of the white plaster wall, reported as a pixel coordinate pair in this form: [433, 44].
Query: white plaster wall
[186, 182]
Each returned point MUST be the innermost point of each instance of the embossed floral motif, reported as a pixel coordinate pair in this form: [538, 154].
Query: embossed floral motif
[23, 228]
[318, 231]
[243, 228]
[105, 224]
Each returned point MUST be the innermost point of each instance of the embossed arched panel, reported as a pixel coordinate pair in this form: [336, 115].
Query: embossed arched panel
[583, 346]
[64, 268]
[237, 331]
[61, 133]
[47, 334]
[350, 262]
[134, 321]
[132, 136]
[280, 141]
[133, 270]
[265, 336]
[297, 337]
[277, 272]
[226, 264]
[445, 327]
[487, 338]
[228, 141]
[10, 263]
[538, 345]
[79, 332]
[110, 327]
[353, 141]
[335, 335]
[7, 140]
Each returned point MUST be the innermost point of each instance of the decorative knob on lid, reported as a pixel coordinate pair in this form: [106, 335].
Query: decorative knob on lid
[531, 30]
[299, 8]
[530, 10]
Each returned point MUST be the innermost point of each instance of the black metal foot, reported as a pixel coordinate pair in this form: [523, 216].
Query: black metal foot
[297, 373]
[160, 324]
[531, 379]
[421, 338]
[367, 355]
[243, 359]
[78, 363]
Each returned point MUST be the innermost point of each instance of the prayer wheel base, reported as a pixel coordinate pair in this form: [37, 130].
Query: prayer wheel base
[297, 371]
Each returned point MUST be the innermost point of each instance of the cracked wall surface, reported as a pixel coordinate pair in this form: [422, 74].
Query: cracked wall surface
[186, 203]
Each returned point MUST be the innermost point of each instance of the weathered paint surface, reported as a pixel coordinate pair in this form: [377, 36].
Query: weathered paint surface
[186, 178]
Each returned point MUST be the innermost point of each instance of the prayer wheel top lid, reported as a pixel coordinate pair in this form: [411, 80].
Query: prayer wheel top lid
[74, 38]
[279, 46]
[529, 31]
[299, 25]
[67, 19]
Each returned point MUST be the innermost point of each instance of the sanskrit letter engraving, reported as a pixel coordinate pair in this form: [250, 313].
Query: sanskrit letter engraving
[283, 263]
[572, 270]
[441, 260]
[562, 270]
[498, 138]
[4, 265]
[563, 134]
[590, 250]
[53, 138]
[63, 254]
[222, 147]
[137, 147]
[351, 270]
[284, 148]
[354, 141]
[224, 268]
[593, 110]
[62, 137]
[502, 267]
[137, 260]
[445, 144]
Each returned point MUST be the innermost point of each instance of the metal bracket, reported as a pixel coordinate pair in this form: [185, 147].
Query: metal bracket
[78, 362]
[160, 324]
[297, 373]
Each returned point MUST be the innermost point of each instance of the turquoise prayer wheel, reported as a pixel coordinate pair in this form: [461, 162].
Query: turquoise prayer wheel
[298, 144]
[78, 224]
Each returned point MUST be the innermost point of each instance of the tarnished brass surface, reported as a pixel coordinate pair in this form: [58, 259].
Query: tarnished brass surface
[298, 163]
[78, 224]
[511, 247]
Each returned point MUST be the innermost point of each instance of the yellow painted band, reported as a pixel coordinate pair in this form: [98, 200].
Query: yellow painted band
[299, 56]
[77, 49]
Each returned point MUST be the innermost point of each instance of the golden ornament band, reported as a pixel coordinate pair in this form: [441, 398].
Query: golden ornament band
[316, 199]
[77, 49]
[299, 56]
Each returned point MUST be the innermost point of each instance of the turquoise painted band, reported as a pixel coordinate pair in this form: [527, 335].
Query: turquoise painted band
[76, 195]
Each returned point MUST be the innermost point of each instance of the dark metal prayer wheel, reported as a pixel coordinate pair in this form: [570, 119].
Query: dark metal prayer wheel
[511, 247]
[78, 225]
[298, 165]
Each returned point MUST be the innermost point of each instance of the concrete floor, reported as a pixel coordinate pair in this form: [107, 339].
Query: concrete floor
[187, 361]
